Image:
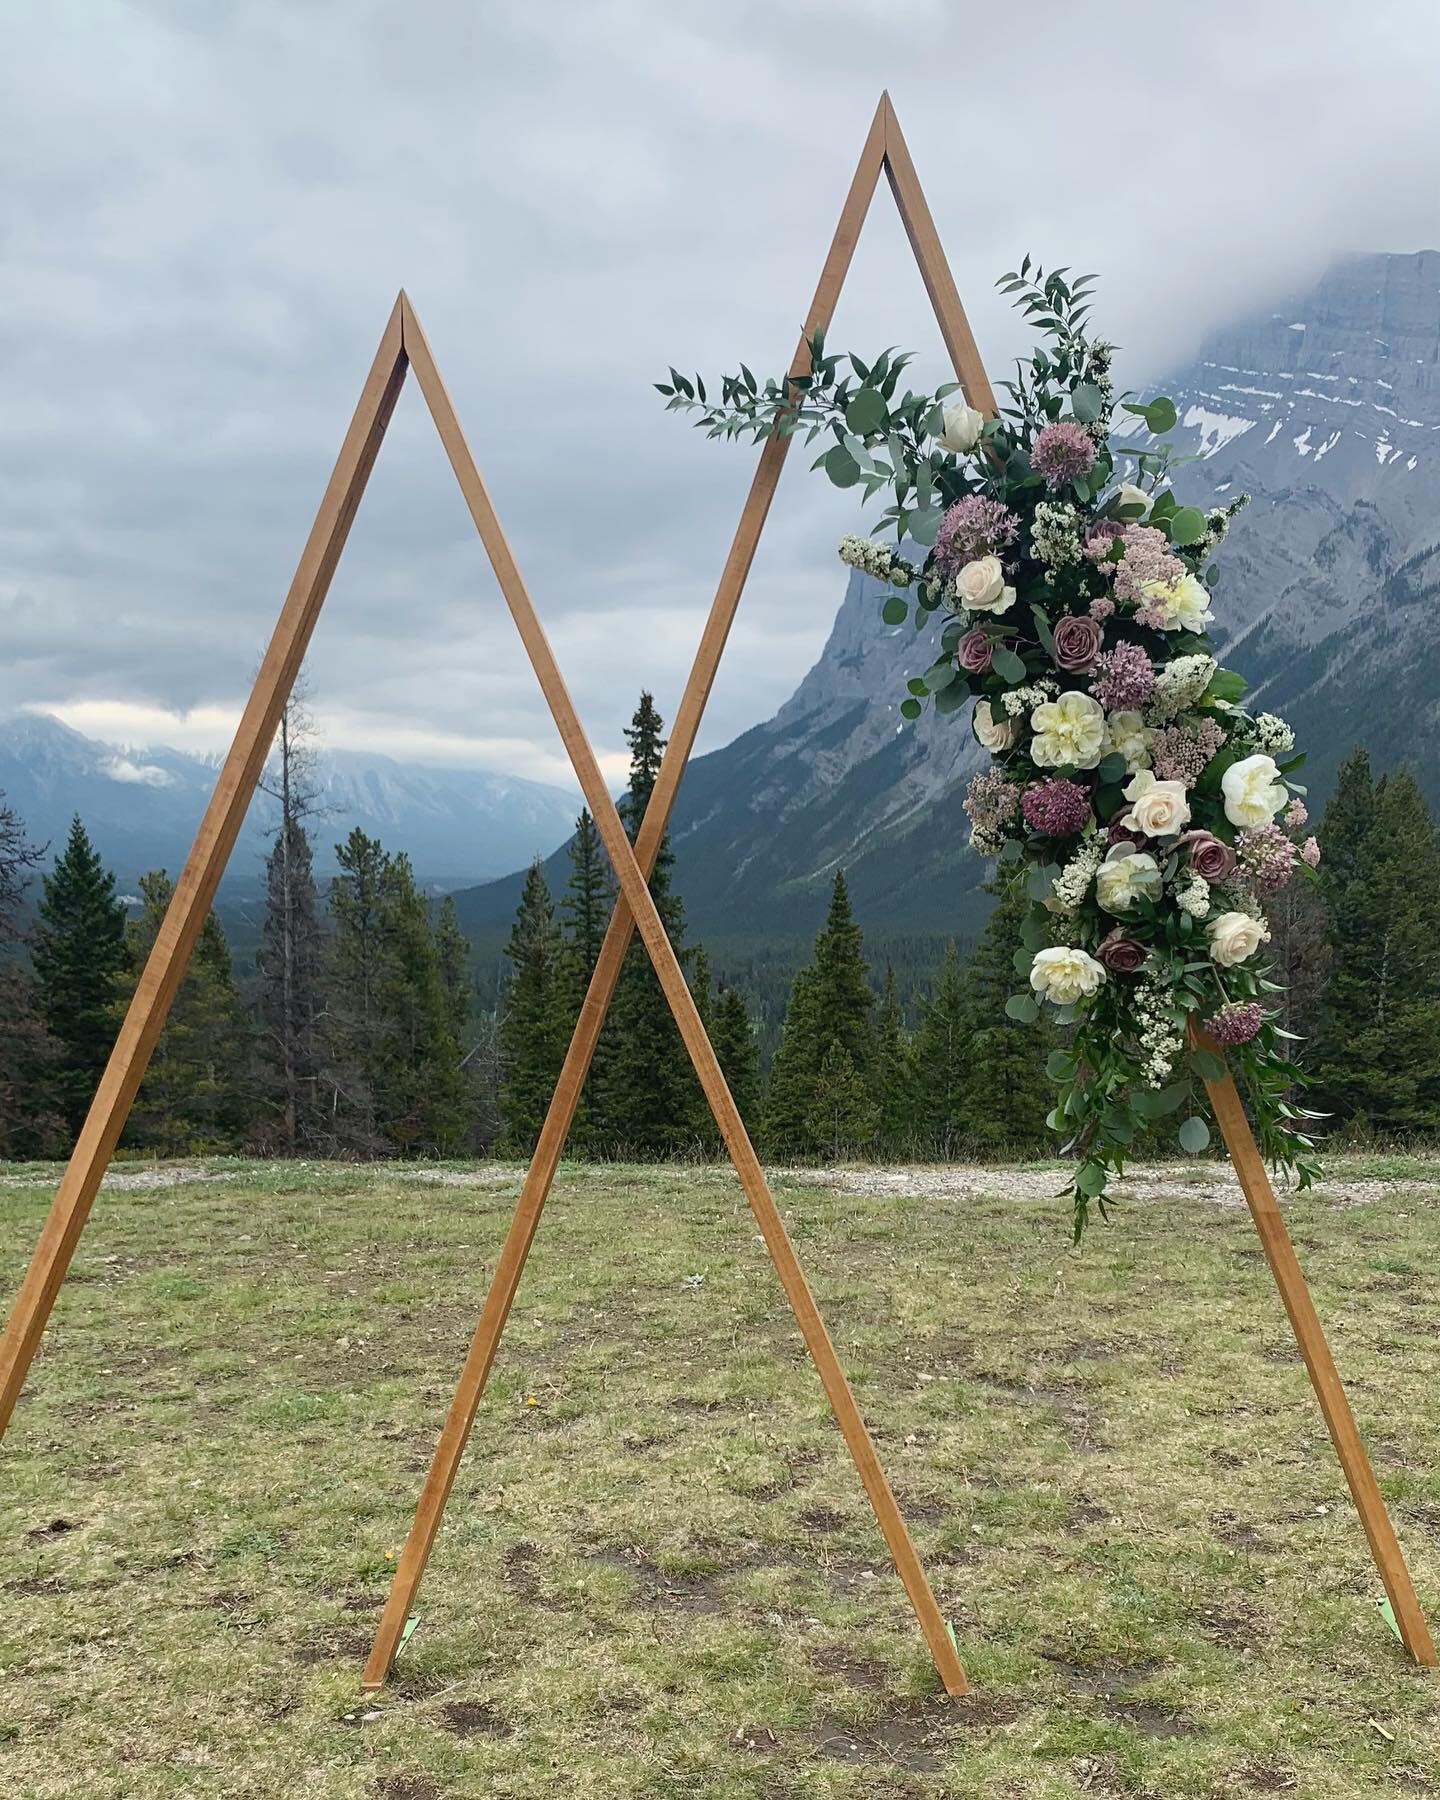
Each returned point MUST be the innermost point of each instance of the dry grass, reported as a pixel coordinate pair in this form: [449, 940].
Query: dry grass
[658, 1576]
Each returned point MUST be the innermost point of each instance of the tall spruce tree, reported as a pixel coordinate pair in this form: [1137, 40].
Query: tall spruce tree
[945, 1060]
[1375, 1055]
[647, 1100]
[738, 1052]
[79, 955]
[290, 1002]
[31, 1121]
[1010, 1093]
[452, 948]
[585, 908]
[894, 1081]
[417, 1081]
[195, 1095]
[354, 981]
[831, 1009]
[532, 1034]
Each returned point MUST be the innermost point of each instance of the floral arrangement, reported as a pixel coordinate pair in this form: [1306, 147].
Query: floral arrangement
[1147, 813]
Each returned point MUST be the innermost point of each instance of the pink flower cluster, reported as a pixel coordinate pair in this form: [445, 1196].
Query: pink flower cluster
[1061, 451]
[992, 801]
[1056, 807]
[1147, 558]
[1126, 678]
[1181, 752]
[1310, 853]
[1267, 856]
[974, 526]
[1236, 1022]
[1101, 536]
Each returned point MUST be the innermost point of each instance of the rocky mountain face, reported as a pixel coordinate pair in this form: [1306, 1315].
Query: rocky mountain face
[1326, 413]
[142, 806]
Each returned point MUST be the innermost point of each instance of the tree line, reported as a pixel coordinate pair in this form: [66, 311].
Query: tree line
[359, 1033]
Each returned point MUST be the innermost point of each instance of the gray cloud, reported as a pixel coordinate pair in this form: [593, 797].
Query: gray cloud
[206, 213]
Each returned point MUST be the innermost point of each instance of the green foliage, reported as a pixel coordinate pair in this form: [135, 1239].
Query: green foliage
[738, 1053]
[290, 1001]
[532, 1039]
[79, 956]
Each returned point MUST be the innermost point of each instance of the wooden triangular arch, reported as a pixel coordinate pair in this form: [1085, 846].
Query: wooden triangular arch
[403, 347]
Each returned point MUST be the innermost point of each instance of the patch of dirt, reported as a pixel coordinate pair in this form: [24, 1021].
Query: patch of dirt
[823, 1518]
[37, 1584]
[41, 1534]
[522, 1573]
[1150, 1719]
[349, 1646]
[1107, 1680]
[475, 1718]
[407, 1787]
[754, 1737]
[1232, 1530]
[858, 1671]
[1234, 1630]
[985, 1712]
[1080, 1512]
[1267, 1778]
[694, 1593]
[907, 1737]
[362, 1602]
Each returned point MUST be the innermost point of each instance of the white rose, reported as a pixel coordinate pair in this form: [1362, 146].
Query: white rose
[1069, 730]
[1128, 733]
[1124, 876]
[1062, 975]
[994, 735]
[1158, 808]
[962, 428]
[1182, 605]
[1127, 494]
[981, 586]
[1234, 936]
[1253, 791]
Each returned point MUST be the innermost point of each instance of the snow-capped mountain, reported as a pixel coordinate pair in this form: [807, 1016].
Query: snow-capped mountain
[141, 807]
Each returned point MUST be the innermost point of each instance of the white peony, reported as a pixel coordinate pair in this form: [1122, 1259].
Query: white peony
[1253, 791]
[992, 734]
[1129, 495]
[1128, 733]
[962, 428]
[1069, 730]
[1062, 975]
[1234, 936]
[1182, 605]
[1124, 876]
[1158, 808]
[981, 586]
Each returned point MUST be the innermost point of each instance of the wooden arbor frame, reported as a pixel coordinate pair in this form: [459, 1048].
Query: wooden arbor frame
[403, 347]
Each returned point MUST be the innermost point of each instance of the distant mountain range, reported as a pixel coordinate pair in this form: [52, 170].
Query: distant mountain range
[1325, 411]
[141, 807]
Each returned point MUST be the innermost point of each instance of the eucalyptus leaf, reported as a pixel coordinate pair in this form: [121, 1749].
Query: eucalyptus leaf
[1023, 1007]
[840, 466]
[895, 611]
[910, 709]
[1194, 1135]
[1007, 665]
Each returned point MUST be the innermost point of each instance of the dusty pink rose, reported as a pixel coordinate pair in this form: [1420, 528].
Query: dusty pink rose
[1120, 953]
[1211, 859]
[1077, 643]
[973, 651]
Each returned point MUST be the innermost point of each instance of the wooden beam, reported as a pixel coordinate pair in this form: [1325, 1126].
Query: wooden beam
[505, 1279]
[203, 868]
[1310, 1335]
[682, 1004]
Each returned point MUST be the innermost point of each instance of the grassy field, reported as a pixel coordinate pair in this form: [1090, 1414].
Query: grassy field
[658, 1574]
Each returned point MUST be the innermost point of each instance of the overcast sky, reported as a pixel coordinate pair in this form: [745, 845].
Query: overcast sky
[206, 210]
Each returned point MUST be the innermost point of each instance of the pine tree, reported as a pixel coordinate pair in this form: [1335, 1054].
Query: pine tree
[831, 1008]
[288, 968]
[1375, 1064]
[647, 1101]
[79, 954]
[738, 1053]
[1009, 1093]
[31, 1121]
[894, 1084]
[531, 1020]
[354, 976]
[585, 908]
[417, 1081]
[452, 948]
[945, 1058]
[843, 1117]
[195, 1095]
[288, 962]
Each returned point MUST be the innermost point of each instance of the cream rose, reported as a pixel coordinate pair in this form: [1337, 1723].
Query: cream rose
[1234, 936]
[1128, 733]
[1253, 791]
[1127, 494]
[1158, 808]
[1182, 605]
[994, 735]
[1069, 730]
[1124, 876]
[962, 429]
[1062, 975]
[981, 586]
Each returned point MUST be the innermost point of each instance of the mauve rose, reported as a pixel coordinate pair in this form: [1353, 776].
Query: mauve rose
[1209, 858]
[1122, 834]
[1120, 953]
[973, 651]
[1077, 643]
